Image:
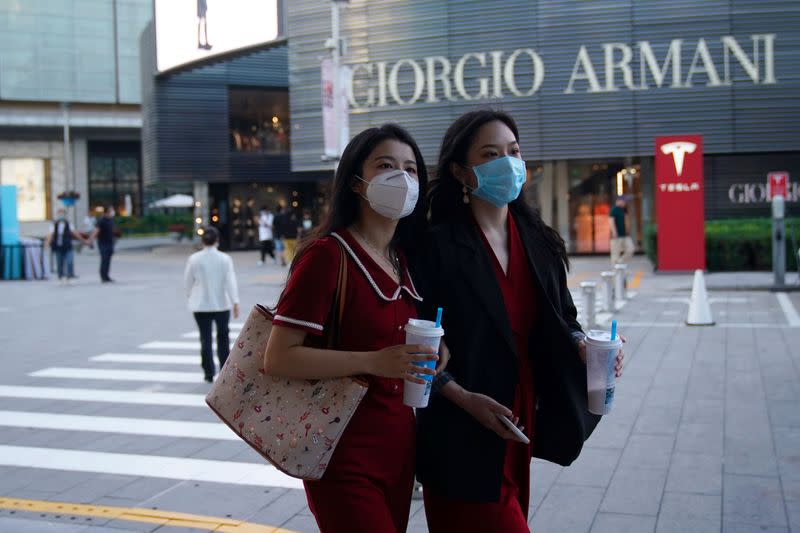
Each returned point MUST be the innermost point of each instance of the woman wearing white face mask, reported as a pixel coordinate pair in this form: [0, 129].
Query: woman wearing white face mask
[368, 482]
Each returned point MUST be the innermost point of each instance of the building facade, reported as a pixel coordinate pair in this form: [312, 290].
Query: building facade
[591, 85]
[220, 130]
[69, 105]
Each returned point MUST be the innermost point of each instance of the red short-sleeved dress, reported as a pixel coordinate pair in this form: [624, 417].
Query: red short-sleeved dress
[510, 513]
[369, 480]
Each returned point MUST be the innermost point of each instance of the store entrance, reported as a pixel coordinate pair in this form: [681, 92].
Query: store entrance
[234, 208]
[593, 189]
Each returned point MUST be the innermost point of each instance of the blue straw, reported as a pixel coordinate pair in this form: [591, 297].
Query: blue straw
[439, 317]
[613, 330]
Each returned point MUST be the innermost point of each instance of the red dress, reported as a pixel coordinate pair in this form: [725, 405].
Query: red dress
[369, 480]
[510, 513]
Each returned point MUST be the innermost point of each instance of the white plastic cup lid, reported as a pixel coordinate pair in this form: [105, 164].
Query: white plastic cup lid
[602, 337]
[423, 328]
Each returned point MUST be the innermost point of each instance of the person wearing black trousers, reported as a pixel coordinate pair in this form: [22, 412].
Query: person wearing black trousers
[210, 283]
[104, 235]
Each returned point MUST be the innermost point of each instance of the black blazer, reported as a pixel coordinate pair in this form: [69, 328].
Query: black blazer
[456, 455]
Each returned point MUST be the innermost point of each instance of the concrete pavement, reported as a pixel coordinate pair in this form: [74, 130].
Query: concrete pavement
[704, 436]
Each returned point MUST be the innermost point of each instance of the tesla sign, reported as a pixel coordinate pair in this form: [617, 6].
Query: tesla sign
[679, 203]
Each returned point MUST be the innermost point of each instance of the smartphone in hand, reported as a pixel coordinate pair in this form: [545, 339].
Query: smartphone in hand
[514, 429]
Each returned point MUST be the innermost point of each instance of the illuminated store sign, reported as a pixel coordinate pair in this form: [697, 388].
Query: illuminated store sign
[623, 67]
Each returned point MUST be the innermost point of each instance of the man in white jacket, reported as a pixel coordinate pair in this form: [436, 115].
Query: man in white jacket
[212, 289]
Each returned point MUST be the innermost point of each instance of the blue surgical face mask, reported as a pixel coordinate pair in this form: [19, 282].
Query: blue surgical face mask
[500, 181]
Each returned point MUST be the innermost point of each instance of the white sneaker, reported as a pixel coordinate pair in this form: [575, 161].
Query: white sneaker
[260, 263]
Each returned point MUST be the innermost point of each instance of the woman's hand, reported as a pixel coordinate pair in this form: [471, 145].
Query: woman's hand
[485, 410]
[620, 356]
[444, 357]
[398, 362]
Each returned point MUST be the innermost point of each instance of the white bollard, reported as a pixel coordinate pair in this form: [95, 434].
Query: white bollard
[608, 291]
[620, 281]
[589, 299]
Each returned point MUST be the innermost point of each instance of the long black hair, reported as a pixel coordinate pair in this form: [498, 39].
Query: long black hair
[344, 202]
[445, 201]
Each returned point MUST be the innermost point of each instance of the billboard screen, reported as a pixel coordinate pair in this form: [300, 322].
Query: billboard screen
[189, 30]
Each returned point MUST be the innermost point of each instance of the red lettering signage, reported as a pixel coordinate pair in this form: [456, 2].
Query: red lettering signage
[778, 184]
[680, 212]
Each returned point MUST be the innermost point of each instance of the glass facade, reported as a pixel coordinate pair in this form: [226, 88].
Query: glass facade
[30, 177]
[115, 177]
[593, 189]
[259, 120]
[71, 50]
[234, 207]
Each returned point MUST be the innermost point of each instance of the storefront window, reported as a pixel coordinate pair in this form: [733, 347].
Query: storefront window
[234, 208]
[259, 120]
[115, 177]
[30, 177]
[594, 187]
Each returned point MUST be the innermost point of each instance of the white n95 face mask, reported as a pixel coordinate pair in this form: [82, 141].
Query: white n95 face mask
[392, 194]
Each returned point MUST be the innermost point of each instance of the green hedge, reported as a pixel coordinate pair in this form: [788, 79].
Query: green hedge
[739, 244]
[153, 224]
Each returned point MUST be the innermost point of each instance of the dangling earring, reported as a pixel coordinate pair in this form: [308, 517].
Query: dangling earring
[465, 199]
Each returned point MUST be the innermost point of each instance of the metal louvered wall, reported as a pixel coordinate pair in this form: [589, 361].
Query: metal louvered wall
[185, 127]
[740, 117]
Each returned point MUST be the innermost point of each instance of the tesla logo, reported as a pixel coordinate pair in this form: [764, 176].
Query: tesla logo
[678, 149]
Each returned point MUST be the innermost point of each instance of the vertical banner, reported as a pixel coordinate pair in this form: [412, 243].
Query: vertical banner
[335, 122]
[345, 74]
[331, 140]
[680, 211]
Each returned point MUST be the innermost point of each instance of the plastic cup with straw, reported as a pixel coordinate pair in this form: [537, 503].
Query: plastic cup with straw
[602, 347]
[426, 333]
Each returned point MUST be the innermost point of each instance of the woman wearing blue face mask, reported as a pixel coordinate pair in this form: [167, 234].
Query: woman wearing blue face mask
[516, 347]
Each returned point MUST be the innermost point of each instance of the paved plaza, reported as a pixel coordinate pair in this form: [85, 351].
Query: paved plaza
[101, 410]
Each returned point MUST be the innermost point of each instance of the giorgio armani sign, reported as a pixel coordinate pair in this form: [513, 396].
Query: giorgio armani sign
[603, 68]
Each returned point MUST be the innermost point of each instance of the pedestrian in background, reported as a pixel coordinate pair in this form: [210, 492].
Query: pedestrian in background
[306, 225]
[290, 227]
[60, 242]
[621, 243]
[212, 290]
[89, 223]
[104, 235]
[266, 221]
[277, 230]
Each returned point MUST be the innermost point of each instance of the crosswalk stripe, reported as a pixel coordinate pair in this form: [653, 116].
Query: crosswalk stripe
[113, 424]
[118, 375]
[171, 345]
[147, 465]
[103, 395]
[196, 334]
[158, 358]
